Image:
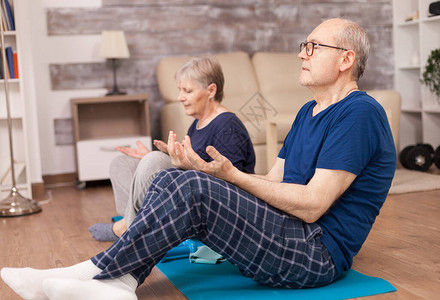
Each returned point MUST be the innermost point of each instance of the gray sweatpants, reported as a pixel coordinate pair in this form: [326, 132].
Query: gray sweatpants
[131, 178]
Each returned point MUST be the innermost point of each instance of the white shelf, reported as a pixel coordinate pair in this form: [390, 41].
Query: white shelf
[18, 116]
[408, 67]
[431, 19]
[413, 43]
[10, 81]
[409, 23]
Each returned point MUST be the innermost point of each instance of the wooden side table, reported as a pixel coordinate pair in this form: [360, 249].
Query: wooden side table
[101, 124]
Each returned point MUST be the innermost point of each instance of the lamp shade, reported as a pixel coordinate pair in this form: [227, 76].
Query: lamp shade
[113, 45]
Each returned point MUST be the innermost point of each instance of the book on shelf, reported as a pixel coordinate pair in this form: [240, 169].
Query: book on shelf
[6, 70]
[10, 61]
[2, 76]
[10, 15]
[15, 60]
[7, 16]
[11, 64]
[4, 18]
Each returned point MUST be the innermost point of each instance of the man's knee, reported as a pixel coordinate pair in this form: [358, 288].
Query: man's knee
[165, 177]
[198, 182]
[179, 178]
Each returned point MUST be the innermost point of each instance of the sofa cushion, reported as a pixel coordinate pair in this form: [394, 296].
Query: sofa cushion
[278, 80]
[240, 80]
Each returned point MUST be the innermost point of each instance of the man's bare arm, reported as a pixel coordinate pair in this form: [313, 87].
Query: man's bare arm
[307, 202]
[276, 173]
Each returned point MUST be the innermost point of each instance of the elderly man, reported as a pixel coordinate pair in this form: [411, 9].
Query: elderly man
[298, 226]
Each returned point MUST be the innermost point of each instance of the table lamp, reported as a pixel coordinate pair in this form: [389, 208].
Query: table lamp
[114, 46]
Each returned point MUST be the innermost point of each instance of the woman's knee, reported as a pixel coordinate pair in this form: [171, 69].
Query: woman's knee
[154, 162]
[122, 164]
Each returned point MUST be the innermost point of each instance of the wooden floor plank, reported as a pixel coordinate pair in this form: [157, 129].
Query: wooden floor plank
[403, 246]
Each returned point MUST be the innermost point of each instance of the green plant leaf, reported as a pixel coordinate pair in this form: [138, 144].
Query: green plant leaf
[431, 75]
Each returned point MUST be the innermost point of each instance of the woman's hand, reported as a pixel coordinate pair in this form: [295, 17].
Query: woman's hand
[162, 146]
[175, 151]
[138, 152]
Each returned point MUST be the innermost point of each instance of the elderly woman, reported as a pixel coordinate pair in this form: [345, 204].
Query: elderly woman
[200, 82]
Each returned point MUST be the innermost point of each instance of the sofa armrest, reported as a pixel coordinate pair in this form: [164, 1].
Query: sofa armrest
[391, 102]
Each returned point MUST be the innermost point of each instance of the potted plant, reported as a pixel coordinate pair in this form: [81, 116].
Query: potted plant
[431, 75]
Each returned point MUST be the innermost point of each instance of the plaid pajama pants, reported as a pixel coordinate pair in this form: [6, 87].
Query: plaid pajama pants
[269, 246]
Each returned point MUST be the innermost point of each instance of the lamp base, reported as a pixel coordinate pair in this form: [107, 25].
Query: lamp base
[115, 90]
[114, 93]
[16, 205]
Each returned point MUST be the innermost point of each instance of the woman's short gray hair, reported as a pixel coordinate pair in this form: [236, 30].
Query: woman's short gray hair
[204, 71]
[354, 37]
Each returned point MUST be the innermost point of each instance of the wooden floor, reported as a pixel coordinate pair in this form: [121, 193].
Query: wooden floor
[403, 247]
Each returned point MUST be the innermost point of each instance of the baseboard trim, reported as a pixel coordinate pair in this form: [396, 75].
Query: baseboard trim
[66, 178]
[37, 190]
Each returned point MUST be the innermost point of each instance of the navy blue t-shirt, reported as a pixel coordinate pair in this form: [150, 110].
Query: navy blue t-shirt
[227, 134]
[352, 135]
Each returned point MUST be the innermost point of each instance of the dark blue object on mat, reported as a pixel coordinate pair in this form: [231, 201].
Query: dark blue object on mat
[224, 281]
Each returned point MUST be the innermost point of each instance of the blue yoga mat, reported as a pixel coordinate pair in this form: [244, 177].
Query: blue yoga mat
[224, 281]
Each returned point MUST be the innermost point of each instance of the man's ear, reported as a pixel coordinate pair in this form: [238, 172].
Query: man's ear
[348, 60]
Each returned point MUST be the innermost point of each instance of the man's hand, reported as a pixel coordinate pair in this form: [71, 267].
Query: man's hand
[138, 152]
[183, 156]
[220, 166]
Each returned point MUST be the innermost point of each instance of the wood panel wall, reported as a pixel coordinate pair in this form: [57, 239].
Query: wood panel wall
[160, 28]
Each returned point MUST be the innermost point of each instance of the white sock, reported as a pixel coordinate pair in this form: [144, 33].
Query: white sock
[122, 288]
[28, 282]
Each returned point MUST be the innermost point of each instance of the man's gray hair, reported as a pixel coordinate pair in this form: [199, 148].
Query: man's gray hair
[354, 37]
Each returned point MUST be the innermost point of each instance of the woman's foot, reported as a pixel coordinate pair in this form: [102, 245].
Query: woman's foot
[120, 227]
[108, 232]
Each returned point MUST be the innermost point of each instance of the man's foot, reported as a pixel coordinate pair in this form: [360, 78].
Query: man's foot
[28, 282]
[122, 288]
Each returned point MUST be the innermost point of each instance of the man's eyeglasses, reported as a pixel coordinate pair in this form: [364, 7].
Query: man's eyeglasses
[310, 46]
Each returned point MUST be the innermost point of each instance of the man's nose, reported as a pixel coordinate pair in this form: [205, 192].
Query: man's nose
[302, 54]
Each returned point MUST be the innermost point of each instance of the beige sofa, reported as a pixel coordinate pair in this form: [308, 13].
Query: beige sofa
[257, 88]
